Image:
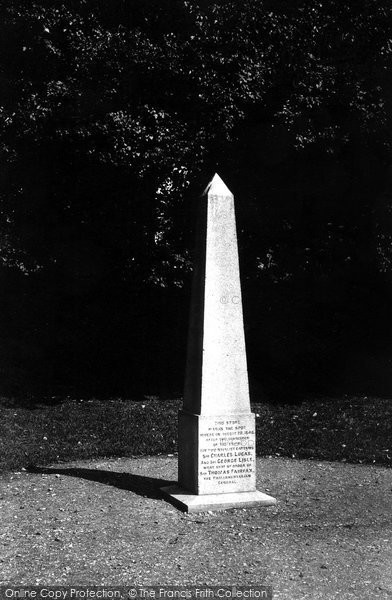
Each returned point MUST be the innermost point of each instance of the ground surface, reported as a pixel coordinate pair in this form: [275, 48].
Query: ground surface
[104, 522]
[357, 429]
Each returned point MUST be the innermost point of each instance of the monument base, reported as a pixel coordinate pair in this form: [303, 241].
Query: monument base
[187, 502]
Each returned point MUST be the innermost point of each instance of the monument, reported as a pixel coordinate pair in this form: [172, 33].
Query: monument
[216, 429]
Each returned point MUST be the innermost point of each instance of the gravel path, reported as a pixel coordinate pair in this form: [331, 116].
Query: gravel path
[104, 523]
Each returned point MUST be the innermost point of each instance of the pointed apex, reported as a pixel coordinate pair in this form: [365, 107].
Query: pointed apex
[217, 187]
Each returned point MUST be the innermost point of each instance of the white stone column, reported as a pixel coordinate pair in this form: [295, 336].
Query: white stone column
[216, 436]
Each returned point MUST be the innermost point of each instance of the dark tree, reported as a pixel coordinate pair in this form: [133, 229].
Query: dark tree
[114, 116]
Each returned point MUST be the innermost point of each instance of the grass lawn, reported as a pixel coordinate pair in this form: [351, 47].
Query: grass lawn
[355, 429]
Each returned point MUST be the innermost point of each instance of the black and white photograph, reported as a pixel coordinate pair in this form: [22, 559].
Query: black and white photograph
[195, 299]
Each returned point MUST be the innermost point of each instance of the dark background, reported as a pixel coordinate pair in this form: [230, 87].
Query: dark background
[114, 117]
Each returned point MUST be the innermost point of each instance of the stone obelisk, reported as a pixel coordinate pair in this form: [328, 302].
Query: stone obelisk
[216, 429]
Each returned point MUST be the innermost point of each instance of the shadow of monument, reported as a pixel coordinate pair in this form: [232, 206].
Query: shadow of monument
[148, 487]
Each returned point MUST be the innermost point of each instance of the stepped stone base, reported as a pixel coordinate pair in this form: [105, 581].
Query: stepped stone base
[187, 502]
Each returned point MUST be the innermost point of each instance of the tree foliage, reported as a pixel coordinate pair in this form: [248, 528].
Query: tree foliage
[114, 115]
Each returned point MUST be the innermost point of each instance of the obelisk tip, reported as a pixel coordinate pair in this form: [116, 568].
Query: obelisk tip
[217, 187]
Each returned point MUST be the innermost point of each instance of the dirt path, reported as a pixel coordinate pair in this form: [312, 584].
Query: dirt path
[104, 522]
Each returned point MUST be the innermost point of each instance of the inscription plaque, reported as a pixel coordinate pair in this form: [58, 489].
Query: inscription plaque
[227, 454]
